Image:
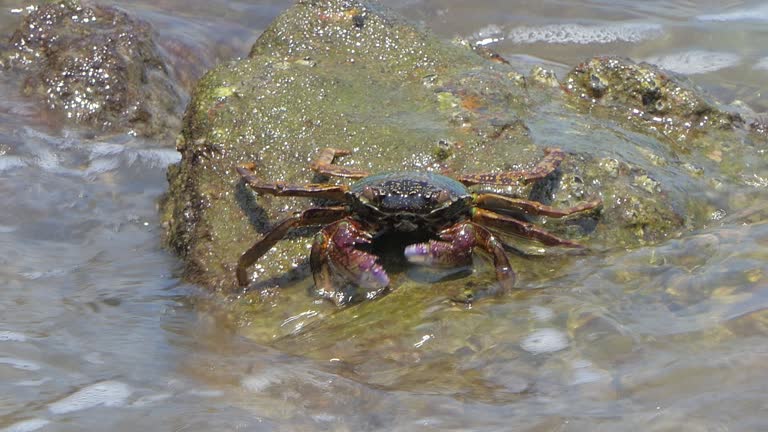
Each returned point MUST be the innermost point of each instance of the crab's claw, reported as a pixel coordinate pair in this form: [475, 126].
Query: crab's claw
[361, 269]
[455, 250]
[334, 253]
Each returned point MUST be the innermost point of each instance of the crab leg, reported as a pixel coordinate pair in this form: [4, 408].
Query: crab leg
[550, 162]
[492, 201]
[511, 225]
[456, 249]
[327, 191]
[334, 251]
[324, 165]
[313, 216]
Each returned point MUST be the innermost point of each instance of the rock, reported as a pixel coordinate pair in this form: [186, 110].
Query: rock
[653, 97]
[353, 75]
[96, 65]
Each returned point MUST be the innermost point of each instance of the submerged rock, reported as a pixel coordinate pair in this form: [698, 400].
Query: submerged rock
[353, 75]
[97, 65]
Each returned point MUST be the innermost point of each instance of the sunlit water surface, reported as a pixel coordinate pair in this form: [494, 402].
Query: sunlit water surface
[98, 333]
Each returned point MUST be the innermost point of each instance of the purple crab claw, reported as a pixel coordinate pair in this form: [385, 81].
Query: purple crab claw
[455, 252]
[362, 269]
[334, 252]
[357, 266]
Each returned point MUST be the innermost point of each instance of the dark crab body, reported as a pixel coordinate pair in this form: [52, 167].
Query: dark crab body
[428, 204]
[409, 200]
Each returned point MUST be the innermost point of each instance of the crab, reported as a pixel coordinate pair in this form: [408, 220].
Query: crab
[427, 205]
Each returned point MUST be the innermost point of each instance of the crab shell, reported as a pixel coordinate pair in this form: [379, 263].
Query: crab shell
[408, 201]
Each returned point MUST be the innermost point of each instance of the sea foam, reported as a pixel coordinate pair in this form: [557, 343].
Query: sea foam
[586, 34]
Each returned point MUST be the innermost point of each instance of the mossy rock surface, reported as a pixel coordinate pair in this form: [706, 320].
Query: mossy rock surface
[664, 159]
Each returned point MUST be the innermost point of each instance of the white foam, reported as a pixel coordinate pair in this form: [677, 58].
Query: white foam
[26, 425]
[20, 364]
[696, 61]
[9, 336]
[544, 340]
[586, 34]
[756, 14]
[488, 35]
[105, 393]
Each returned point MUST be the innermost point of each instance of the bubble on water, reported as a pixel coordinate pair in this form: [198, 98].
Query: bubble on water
[586, 34]
[105, 393]
[759, 13]
[696, 61]
[545, 340]
[20, 364]
[9, 336]
[26, 425]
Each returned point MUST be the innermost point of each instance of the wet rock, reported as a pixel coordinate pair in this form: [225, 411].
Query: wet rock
[545, 77]
[353, 75]
[97, 66]
[655, 98]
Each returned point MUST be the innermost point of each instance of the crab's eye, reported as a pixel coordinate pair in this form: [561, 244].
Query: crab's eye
[442, 196]
[369, 194]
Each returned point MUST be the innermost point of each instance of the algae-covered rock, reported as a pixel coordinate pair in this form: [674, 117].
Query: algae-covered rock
[97, 65]
[651, 95]
[353, 75]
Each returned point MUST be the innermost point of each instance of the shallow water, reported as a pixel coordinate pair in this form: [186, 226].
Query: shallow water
[97, 332]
